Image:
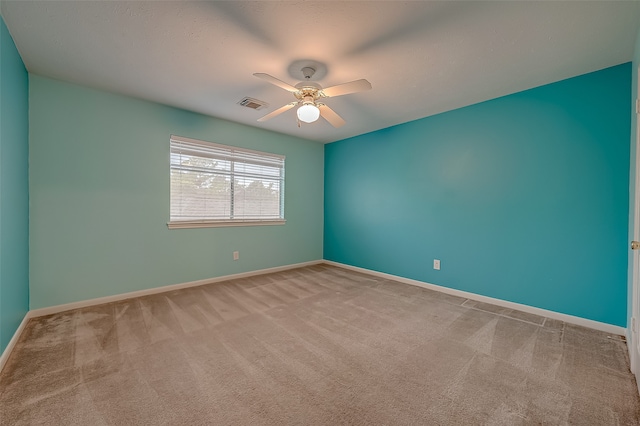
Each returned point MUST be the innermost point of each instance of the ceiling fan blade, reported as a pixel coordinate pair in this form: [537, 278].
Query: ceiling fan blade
[279, 111]
[271, 79]
[346, 88]
[330, 115]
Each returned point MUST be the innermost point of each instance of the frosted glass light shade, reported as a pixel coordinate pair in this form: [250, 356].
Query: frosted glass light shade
[308, 113]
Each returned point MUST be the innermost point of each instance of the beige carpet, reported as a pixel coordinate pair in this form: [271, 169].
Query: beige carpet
[311, 346]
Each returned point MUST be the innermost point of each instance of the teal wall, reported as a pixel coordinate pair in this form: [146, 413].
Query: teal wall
[14, 188]
[523, 198]
[99, 186]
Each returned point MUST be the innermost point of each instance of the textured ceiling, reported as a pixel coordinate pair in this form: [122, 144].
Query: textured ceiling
[422, 58]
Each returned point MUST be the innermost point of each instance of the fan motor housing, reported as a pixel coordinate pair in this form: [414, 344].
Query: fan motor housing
[308, 91]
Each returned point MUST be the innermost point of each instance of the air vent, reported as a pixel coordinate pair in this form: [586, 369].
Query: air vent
[253, 103]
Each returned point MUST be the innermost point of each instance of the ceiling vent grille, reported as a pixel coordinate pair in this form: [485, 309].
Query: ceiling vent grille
[252, 103]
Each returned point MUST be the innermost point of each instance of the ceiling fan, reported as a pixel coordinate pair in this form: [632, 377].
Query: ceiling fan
[309, 93]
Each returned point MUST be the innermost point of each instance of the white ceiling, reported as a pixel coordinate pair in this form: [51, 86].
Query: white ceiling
[422, 57]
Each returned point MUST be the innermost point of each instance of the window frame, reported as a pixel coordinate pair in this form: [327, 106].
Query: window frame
[233, 154]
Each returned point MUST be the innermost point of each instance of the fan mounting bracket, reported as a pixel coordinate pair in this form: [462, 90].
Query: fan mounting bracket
[298, 70]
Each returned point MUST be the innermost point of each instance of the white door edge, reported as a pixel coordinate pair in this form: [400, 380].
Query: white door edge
[634, 344]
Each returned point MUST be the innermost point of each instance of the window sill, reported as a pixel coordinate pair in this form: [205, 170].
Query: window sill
[222, 223]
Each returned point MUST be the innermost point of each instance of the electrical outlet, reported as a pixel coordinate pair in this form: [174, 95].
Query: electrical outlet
[236, 255]
[436, 264]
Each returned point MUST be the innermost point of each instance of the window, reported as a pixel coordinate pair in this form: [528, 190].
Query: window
[219, 185]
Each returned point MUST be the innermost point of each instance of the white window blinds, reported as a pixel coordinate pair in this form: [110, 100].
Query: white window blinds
[213, 185]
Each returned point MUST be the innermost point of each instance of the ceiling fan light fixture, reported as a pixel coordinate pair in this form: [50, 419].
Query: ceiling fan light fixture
[307, 94]
[308, 113]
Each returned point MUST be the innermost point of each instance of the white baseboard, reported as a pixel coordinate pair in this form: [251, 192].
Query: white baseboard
[596, 325]
[14, 340]
[123, 296]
